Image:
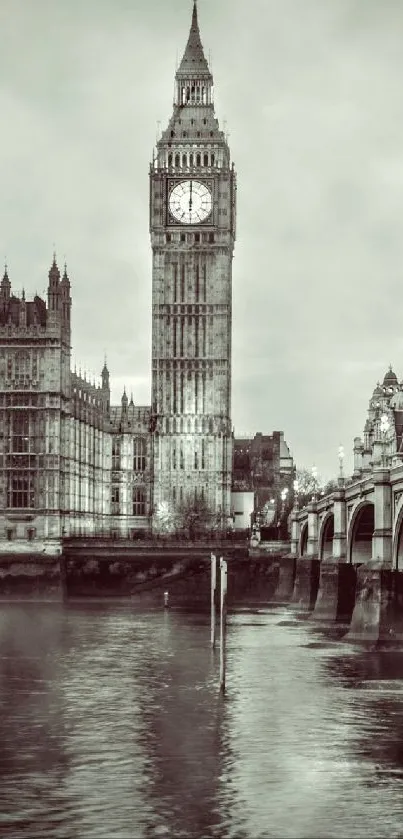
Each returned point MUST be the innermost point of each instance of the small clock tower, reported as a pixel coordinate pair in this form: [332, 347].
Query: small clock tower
[192, 226]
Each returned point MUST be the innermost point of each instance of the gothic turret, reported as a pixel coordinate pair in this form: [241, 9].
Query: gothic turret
[65, 296]
[5, 289]
[106, 392]
[23, 310]
[125, 404]
[53, 287]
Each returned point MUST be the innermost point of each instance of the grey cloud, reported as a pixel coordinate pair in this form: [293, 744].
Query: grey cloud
[311, 94]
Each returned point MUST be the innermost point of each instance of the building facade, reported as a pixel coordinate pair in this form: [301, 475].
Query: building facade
[70, 463]
[262, 480]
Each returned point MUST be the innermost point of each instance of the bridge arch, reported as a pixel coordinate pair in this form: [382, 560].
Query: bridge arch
[360, 531]
[397, 543]
[303, 540]
[326, 534]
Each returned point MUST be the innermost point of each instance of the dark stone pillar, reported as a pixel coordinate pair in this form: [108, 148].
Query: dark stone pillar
[378, 614]
[286, 579]
[63, 576]
[306, 583]
[336, 594]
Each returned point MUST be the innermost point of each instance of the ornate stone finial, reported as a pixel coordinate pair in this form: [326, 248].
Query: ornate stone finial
[54, 273]
[5, 275]
[65, 274]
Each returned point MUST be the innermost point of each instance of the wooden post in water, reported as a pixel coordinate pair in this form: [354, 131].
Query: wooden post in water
[213, 590]
[223, 622]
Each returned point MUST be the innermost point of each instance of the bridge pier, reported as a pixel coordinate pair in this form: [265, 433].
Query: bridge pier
[306, 583]
[308, 566]
[336, 594]
[286, 578]
[378, 612]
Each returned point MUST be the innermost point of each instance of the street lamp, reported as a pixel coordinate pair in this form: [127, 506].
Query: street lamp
[284, 493]
[384, 430]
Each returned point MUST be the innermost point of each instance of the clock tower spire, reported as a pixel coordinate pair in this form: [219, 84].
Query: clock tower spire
[192, 227]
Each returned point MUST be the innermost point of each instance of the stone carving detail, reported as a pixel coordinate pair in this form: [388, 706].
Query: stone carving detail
[396, 498]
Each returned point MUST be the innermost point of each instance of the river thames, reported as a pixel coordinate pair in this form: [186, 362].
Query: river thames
[112, 725]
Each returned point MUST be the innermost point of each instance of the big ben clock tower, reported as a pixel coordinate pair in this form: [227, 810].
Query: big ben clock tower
[192, 226]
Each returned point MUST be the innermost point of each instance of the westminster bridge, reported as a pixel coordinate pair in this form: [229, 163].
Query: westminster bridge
[346, 556]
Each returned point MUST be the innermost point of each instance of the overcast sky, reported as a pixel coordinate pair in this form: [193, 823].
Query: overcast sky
[311, 92]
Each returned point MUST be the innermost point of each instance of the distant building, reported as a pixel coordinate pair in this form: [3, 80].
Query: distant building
[382, 442]
[262, 468]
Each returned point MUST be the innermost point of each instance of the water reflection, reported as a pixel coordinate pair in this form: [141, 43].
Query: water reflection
[111, 725]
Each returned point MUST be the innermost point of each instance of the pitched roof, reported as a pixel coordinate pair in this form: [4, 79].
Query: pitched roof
[194, 61]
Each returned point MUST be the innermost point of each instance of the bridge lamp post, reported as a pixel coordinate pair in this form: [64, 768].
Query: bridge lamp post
[315, 482]
[296, 490]
[341, 459]
[284, 493]
[385, 424]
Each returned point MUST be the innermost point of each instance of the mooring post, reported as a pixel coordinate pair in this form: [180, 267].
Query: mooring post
[213, 590]
[223, 622]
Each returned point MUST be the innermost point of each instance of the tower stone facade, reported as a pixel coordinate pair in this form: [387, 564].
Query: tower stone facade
[192, 226]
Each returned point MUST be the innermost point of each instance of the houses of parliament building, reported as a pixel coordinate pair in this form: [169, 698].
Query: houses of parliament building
[72, 463]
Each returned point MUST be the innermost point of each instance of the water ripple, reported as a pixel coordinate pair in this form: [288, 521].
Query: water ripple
[111, 724]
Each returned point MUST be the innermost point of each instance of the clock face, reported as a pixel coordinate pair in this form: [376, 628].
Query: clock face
[190, 202]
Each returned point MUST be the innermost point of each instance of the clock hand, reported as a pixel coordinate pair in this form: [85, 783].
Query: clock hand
[190, 197]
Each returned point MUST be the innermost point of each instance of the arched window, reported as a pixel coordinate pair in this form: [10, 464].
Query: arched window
[198, 160]
[139, 501]
[184, 161]
[191, 160]
[139, 454]
[212, 158]
[177, 161]
[115, 454]
[170, 159]
[205, 160]
[22, 367]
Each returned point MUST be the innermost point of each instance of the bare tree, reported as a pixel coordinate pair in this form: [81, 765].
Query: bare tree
[194, 516]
